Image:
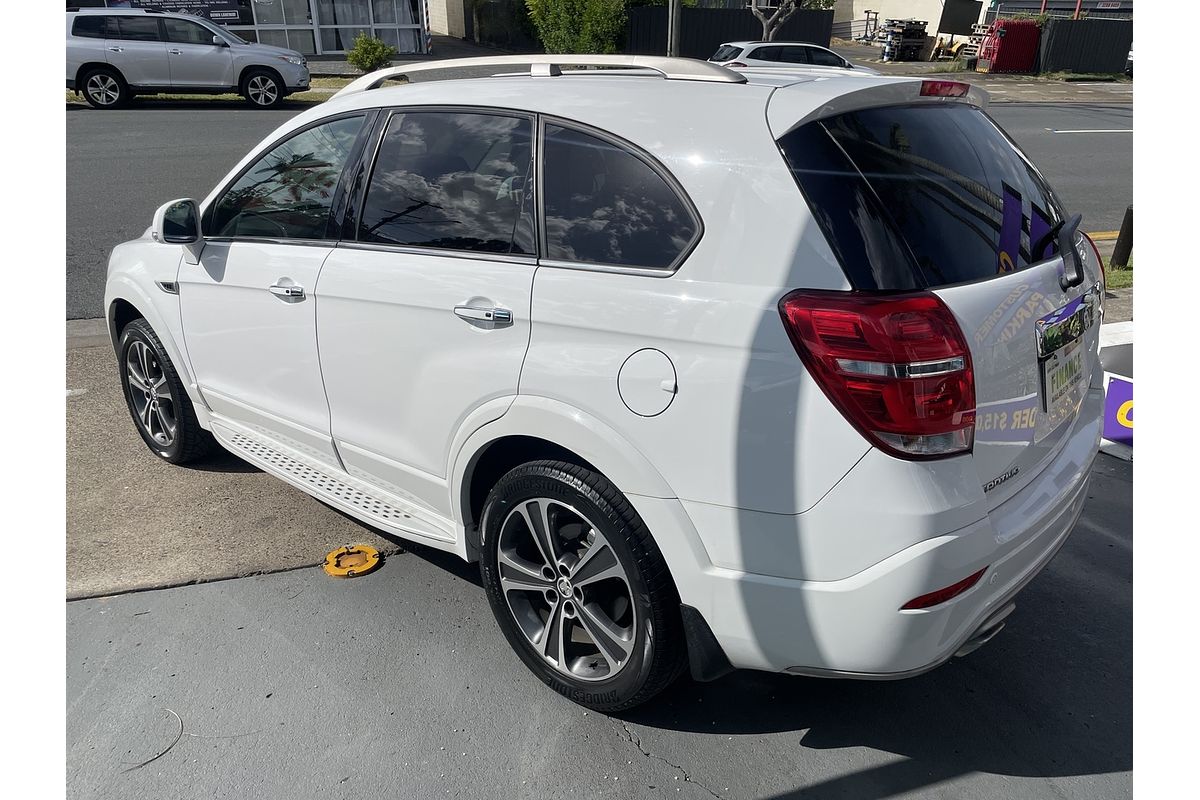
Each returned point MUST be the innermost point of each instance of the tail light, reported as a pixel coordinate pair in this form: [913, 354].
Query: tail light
[944, 89]
[942, 595]
[1099, 260]
[736, 64]
[896, 366]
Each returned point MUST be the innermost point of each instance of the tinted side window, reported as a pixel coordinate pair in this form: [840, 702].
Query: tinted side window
[141, 29]
[794, 55]
[766, 53]
[287, 194]
[726, 52]
[823, 58]
[184, 32]
[605, 205]
[89, 27]
[452, 180]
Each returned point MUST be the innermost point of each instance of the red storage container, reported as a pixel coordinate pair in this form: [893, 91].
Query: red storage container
[1010, 45]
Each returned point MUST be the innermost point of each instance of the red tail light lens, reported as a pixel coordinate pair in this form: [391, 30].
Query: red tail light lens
[944, 89]
[942, 595]
[896, 366]
[736, 64]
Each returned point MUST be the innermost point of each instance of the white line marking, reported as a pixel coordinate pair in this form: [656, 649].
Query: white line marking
[1095, 130]
[1114, 334]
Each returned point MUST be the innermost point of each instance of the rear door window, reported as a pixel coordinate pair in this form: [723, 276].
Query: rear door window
[138, 29]
[923, 195]
[766, 53]
[453, 180]
[726, 52]
[606, 205]
[89, 27]
[794, 55]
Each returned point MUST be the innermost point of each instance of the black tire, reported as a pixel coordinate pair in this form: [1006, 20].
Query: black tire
[658, 652]
[189, 441]
[263, 88]
[99, 85]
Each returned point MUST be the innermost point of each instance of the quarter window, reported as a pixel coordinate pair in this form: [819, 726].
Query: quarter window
[89, 27]
[605, 205]
[140, 29]
[184, 32]
[452, 180]
[288, 193]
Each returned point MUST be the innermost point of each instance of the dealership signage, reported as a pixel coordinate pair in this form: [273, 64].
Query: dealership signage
[216, 10]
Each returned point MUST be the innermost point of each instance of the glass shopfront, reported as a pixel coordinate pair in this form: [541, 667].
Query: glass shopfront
[314, 27]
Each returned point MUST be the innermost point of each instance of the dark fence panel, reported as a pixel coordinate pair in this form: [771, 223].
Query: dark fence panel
[702, 30]
[504, 24]
[1085, 45]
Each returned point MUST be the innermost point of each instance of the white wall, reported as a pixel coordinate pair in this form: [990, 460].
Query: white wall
[446, 17]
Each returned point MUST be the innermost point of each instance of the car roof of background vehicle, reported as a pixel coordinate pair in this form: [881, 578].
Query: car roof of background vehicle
[135, 12]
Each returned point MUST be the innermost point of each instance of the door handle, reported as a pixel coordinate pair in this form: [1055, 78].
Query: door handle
[495, 315]
[287, 291]
[175, 52]
[117, 49]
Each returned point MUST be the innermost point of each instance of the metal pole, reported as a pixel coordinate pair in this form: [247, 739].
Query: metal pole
[1078, 5]
[673, 27]
[1124, 246]
[1043, 11]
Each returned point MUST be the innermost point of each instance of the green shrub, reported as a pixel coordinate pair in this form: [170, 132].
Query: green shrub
[370, 54]
[578, 26]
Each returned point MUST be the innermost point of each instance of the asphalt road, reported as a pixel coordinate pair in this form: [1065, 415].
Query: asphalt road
[399, 684]
[121, 165]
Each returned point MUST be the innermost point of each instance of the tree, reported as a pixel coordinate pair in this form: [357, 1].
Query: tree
[578, 26]
[771, 24]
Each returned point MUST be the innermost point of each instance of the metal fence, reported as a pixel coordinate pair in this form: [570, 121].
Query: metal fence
[702, 30]
[1084, 45]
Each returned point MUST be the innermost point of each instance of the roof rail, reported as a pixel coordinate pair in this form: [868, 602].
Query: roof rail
[544, 66]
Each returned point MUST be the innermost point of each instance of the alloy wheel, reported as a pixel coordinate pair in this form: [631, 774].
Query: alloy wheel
[103, 89]
[262, 90]
[150, 394]
[566, 589]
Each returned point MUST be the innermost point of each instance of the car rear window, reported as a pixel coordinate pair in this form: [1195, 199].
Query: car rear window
[726, 52]
[922, 196]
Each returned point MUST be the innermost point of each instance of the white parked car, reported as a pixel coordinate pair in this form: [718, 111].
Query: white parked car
[114, 54]
[820, 401]
[784, 54]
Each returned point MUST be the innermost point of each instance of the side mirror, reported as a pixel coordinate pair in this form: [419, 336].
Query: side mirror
[177, 222]
[219, 42]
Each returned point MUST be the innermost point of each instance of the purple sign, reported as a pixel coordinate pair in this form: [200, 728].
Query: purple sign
[1118, 411]
[1010, 231]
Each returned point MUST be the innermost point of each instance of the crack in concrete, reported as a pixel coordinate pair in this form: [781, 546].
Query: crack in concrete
[636, 741]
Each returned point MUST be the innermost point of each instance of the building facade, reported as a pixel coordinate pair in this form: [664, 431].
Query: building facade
[313, 27]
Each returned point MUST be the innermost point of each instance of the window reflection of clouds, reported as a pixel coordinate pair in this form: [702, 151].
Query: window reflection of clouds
[605, 205]
[424, 191]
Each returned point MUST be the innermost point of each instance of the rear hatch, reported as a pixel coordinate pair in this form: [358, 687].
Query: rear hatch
[932, 196]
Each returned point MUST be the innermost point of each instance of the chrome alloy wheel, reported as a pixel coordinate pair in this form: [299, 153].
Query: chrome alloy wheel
[262, 90]
[149, 393]
[103, 89]
[566, 589]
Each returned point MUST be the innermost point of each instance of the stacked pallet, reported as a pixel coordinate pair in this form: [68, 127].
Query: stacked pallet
[971, 49]
[903, 39]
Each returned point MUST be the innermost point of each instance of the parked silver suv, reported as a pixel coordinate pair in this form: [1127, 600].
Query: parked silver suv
[113, 54]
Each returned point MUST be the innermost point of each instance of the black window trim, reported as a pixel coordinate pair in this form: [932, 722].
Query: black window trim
[349, 238]
[647, 159]
[332, 233]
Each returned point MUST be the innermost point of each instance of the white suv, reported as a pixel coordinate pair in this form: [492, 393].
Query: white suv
[114, 54]
[707, 369]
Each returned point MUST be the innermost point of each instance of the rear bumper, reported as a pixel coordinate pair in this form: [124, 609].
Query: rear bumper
[854, 626]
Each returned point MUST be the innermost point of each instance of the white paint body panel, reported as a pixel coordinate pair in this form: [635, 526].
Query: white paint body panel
[795, 539]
